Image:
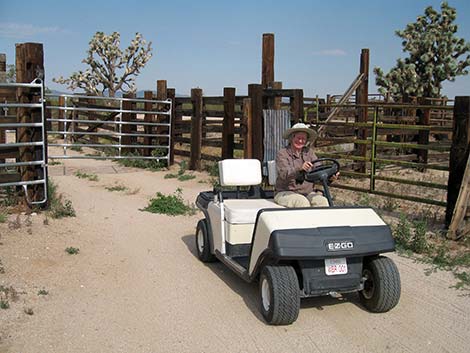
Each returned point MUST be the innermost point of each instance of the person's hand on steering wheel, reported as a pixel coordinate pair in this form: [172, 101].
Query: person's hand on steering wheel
[307, 166]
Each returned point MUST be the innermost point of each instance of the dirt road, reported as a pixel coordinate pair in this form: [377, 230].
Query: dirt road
[137, 286]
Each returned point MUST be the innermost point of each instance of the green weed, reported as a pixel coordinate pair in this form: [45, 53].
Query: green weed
[3, 217]
[10, 197]
[181, 176]
[54, 162]
[151, 164]
[82, 175]
[43, 292]
[4, 304]
[172, 205]
[76, 148]
[58, 208]
[72, 251]
[116, 188]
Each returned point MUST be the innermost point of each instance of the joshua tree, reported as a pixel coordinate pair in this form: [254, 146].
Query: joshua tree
[110, 69]
[434, 51]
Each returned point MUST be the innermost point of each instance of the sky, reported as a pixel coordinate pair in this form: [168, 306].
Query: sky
[217, 44]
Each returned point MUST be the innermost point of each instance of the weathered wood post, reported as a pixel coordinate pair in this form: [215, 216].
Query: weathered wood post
[228, 128]
[424, 118]
[127, 128]
[61, 115]
[297, 105]
[277, 100]
[458, 153]
[362, 98]
[255, 92]
[171, 94]
[29, 66]
[162, 94]
[247, 129]
[148, 118]
[267, 65]
[3, 78]
[196, 129]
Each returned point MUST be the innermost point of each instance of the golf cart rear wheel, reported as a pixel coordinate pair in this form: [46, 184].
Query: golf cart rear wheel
[382, 285]
[203, 247]
[279, 295]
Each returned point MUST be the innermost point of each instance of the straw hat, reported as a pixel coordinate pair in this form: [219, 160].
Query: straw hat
[300, 127]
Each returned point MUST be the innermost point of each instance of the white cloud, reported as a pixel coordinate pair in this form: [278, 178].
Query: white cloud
[19, 30]
[330, 52]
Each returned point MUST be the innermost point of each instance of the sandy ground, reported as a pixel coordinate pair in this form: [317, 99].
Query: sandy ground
[137, 286]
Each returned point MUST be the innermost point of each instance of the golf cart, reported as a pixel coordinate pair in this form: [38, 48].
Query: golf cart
[295, 253]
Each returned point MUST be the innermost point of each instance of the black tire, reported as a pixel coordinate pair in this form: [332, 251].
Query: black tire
[279, 295]
[382, 287]
[203, 247]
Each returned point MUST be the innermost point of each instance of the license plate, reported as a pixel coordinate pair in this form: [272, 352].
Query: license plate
[336, 266]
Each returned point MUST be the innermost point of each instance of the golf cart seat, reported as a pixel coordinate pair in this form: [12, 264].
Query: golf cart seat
[240, 214]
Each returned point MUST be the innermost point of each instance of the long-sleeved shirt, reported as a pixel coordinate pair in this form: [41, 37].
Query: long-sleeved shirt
[289, 167]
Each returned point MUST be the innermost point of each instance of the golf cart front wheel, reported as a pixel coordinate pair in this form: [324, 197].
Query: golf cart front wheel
[279, 295]
[382, 286]
[203, 247]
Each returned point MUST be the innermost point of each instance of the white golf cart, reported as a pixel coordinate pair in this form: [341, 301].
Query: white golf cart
[295, 252]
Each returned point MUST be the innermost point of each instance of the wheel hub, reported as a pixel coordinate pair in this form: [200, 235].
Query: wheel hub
[369, 285]
[265, 294]
[200, 241]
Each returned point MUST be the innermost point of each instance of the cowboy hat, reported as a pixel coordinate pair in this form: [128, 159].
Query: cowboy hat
[300, 127]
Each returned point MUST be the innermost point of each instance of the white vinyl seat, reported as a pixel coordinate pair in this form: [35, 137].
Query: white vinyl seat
[244, 211]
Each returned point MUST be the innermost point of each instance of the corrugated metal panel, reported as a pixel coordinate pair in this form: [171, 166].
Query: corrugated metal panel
[275, 123]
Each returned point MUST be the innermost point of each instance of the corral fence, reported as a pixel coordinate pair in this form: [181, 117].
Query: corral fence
[115, 128]
[23, 145]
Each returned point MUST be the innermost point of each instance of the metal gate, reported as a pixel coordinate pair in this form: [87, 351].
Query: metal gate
[11, 157]
[121, 128]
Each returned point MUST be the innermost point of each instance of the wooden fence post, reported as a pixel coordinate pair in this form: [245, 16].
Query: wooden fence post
[171, 94]
[196, 129]
[161, 96]
[3, 78]
[61, 115]
[458, 153]
[29, 66]
[247, 129]
[148, 118]
[228, 123]
[362, 98]
[255, 92]
[267, 66]
[277, 100]
[424, 118]
[127, 128]
[297, 106]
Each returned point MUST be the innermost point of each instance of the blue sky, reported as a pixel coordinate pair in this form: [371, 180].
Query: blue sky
[216, 44]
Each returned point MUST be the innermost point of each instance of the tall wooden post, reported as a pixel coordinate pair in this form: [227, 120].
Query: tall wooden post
[29, 66]
[3, 78]
[161, 96]
[424, 118]
[277, 100]
[458, 153]
[196, 129]
[148, 118]
[228, 123]
[362, 98]
[247, 129]
[255, 92]
[297, 105]
[171, 94]
[267, 66]
[127, 128]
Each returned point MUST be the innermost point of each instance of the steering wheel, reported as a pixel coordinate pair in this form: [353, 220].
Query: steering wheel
[327, 168]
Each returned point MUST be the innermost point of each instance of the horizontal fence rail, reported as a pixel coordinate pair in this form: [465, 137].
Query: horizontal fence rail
[123, 128]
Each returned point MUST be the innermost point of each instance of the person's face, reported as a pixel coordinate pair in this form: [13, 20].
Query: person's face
[299, 140]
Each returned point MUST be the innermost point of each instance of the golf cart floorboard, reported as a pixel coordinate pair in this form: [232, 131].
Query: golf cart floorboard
[242, 260]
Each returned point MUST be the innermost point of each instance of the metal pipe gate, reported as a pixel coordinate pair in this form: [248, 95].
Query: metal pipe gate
[10, 161]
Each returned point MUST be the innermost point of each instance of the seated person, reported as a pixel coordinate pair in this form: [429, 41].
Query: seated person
[291, 164]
